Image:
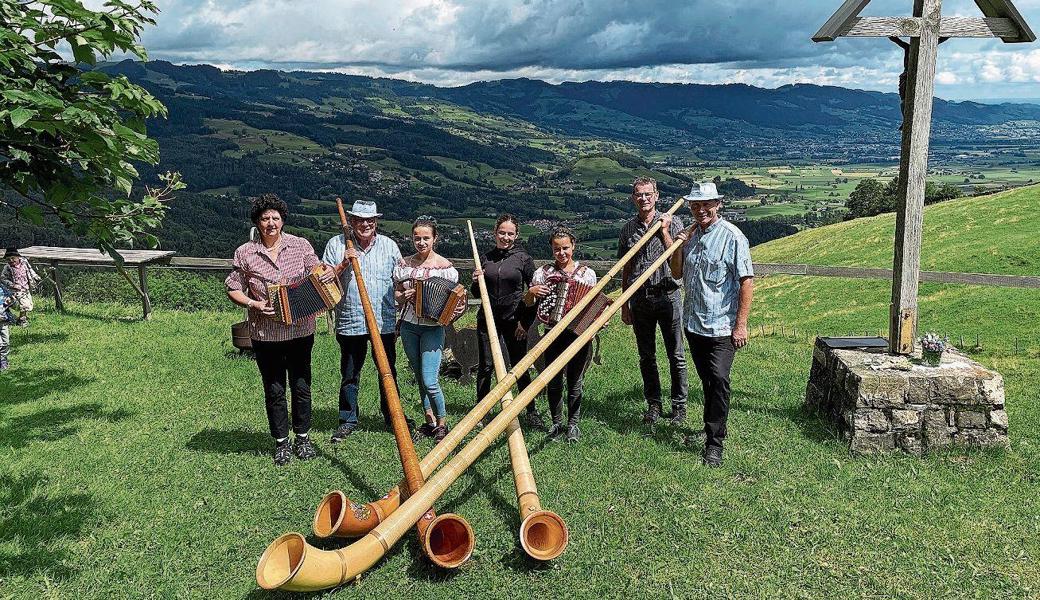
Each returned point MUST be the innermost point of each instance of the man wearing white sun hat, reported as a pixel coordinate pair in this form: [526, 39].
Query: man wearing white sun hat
[718, 284]
[377, 255]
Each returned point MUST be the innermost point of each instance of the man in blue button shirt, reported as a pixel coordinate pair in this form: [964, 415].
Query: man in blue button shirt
[377, 255]
[718, 284]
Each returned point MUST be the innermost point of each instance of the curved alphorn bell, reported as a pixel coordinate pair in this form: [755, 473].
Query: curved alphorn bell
[291, 564]
[543, 533]
[337, 515]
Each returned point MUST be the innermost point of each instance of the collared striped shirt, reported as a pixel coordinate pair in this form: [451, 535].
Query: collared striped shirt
[254, 270]
[714, 262]
[635, 229]
[377, 268]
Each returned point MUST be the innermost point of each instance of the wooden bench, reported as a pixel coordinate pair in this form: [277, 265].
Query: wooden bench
[81, 257]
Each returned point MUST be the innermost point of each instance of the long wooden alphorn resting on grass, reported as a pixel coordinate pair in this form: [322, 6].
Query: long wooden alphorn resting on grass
[543, 533]
[290, 563]
[337, 515]
[447, 539]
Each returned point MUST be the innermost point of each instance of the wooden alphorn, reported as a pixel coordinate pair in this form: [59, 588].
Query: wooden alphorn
[447, 539]
[337, 515]
[543, 533]
[290, 563]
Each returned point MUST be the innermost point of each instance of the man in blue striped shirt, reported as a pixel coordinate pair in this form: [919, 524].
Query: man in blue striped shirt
[718, 283]
[377, 255]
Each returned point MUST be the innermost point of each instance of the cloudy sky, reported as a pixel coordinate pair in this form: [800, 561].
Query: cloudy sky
[454, 42]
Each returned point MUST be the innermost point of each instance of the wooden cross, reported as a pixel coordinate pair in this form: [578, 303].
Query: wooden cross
[926, 28]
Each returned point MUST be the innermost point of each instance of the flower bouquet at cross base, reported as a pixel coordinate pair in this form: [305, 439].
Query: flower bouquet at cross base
[932, 347]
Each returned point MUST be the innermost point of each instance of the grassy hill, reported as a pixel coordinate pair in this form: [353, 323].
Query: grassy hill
[987, 234]
[137, 458]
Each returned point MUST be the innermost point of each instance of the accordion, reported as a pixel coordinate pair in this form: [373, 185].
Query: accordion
[438, 298]
[307, 297]
[563, 295]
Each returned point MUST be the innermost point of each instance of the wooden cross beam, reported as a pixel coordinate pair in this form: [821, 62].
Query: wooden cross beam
[926, 29]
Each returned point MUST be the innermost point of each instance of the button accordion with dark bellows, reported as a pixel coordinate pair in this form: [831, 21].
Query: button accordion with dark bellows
[438, 298]
[564, 293]
[304, 298]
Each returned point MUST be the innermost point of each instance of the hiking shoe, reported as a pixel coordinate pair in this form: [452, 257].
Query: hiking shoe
[678, 416]
[712, 457]
[534, 420]
[303, 448]
[653, 414]
[439, 433]
[557, 431]
[282, 454]
[342, 432]
[426, 430]
[573, 433]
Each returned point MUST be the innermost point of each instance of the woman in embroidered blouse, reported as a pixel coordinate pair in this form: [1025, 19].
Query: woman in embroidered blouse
[280, 349]
[422, 338]
[564, 267]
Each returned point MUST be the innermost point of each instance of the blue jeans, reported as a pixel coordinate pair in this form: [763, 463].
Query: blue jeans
[423, 345]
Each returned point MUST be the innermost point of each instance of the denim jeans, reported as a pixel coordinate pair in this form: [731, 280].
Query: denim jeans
[352, 357]
[713, 357]
[650, 313]
[276, 360]
[423, 344]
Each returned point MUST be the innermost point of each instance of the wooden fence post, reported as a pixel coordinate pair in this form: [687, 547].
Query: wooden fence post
[59, 301]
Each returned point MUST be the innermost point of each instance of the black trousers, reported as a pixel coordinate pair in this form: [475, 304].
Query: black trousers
[276, 360]
[352, 350]
[713, 357]
[512, 349]
[575, 372]
[664, 312]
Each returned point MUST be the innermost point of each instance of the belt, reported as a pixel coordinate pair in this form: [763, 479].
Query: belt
[654, 292]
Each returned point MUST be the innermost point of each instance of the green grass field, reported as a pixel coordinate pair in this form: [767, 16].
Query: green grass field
[137, 458]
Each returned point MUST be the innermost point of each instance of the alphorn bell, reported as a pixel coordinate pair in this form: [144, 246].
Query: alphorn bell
[339, 516]
[446, 539]
[543, 533]
[347, 563]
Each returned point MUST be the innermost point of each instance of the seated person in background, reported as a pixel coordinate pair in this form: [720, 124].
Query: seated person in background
[20, 280]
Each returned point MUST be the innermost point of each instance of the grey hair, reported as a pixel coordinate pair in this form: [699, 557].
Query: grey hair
[643, 180]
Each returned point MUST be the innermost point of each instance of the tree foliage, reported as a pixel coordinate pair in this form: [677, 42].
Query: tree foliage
[69, 135]
[872, 198]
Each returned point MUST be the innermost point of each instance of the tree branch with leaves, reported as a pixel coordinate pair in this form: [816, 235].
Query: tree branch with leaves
[69, 135]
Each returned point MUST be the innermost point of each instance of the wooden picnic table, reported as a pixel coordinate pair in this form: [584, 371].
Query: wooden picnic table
[57, 257]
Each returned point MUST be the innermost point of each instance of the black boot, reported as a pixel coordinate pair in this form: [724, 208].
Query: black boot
[653, 414]
[678, 416]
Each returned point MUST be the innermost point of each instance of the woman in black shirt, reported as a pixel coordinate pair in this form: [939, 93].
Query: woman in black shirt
[507, 273]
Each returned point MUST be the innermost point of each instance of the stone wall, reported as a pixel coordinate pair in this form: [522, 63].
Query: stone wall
[883, 403]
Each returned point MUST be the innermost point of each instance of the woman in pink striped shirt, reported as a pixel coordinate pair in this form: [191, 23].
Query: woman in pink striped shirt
[281, 350]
